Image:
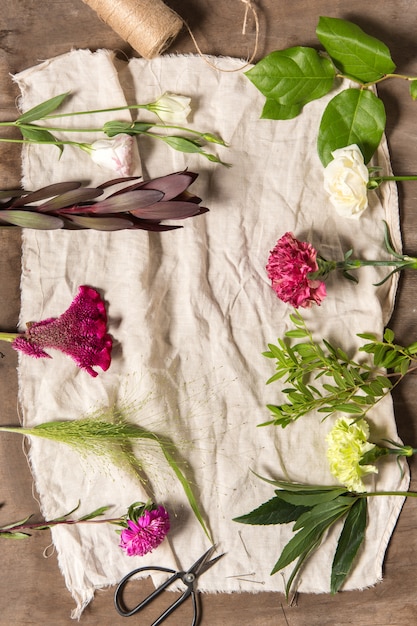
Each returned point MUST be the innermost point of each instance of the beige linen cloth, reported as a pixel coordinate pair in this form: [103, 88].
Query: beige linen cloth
[191, 312]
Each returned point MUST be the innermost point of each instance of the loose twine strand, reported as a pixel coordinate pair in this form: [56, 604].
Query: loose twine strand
[150, 26]
[249, 7]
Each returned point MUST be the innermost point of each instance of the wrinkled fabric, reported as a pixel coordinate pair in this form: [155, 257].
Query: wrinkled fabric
[191, 312]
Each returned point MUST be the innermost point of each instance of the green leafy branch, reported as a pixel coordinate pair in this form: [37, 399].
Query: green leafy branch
[291, 78]
[19, 530]
[351, 387]
[315, 509]
[33, 133]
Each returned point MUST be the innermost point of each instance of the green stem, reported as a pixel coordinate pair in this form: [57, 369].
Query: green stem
[413, 177]
[378, 80]
[8, 336]
[69, 522]
[124, 108]
[53, 143]
[365, 494]
[387, 77]
[62, 129]
[16, 429]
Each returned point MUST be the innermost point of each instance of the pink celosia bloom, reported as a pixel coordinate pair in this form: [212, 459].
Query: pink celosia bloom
[146, 533]
[289, 265]
[80, 332]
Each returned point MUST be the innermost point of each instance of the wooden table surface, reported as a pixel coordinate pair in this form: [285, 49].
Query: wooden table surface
[32, 588]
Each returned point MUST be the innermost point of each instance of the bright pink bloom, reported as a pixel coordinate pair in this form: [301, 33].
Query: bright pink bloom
[80, 332]
[289, 265]
[145, 534]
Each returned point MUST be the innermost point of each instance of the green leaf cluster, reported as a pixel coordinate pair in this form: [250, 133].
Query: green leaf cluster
[32, 132]
[314, 509]
[289, 79]
[346, 385]
[19, 530]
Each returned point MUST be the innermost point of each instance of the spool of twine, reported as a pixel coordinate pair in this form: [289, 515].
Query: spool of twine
[149, 26]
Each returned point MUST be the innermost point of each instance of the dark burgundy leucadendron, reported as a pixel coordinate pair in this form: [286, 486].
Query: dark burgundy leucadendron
[134, 205]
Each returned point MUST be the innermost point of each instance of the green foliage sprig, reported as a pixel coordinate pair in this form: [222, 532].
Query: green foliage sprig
[291, 78]
[23, 528]
[315, 509]
[349, 386]
[32, 132]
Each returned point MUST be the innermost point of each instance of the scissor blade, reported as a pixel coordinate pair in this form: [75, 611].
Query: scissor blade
[202, 564]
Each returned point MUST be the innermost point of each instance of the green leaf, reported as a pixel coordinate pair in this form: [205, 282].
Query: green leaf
[111, 129]
[413, 89]
[354, 116]
[40, 135]
[16, 535]
[343, 408]
[297, 319]
[404, 367]
[14, 524]
[302, 558]
[275, 511]
[31, 219]
[186, 487]
[299, 332]
[305, 539]
[43, 109]
[309, 498]
[355, 53]
[368, 336]
[351, 537]
[293, 76]
[274, 110]
[182, 144]
[290, 486]
[322, 512]
[389, 335]
[96, 513]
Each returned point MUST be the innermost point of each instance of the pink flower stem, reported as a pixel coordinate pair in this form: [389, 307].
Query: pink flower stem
[69, 522]
[10, 337]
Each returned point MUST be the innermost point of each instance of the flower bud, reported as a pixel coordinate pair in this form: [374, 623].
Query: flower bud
[171, 108]
[114, 154]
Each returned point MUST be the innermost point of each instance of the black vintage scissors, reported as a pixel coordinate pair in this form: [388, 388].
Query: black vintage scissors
[189, 578]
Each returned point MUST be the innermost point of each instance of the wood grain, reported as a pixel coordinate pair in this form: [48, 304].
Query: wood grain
[33, 590]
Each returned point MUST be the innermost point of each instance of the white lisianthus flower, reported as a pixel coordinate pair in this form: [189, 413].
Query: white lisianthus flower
[347, 445]
[346, 181]
[113, 154]
[171, 108]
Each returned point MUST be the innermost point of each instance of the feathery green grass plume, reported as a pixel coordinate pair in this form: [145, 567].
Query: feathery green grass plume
[108, 434]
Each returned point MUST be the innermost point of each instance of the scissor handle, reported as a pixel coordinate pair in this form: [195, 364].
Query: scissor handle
[118, 595]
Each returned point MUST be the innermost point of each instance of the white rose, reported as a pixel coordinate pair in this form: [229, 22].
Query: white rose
[114, 154]
[345, 180]
[171, 108]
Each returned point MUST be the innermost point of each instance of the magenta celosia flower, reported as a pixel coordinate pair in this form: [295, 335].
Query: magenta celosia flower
[145, 531]
[80, 332]
[289, 266]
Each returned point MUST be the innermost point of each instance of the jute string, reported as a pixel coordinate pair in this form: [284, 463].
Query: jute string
[149, 26]
[249, 7]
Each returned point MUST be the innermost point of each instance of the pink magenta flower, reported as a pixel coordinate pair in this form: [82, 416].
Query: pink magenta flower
[80, 332]
[146, 531]
[289, 266]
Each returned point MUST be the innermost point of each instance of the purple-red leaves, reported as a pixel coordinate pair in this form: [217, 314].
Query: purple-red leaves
[69, 205]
